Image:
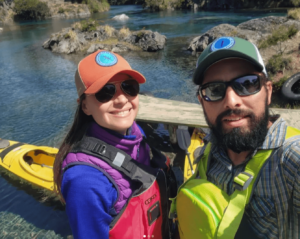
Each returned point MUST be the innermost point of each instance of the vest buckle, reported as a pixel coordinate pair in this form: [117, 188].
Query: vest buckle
[242, 181]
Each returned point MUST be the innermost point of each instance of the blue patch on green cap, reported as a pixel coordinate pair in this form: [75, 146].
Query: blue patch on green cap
[106, 58]
[222, 43]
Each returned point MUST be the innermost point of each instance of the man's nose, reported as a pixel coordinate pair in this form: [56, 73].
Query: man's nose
[232, 99]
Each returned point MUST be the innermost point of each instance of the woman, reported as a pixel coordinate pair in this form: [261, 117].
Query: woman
[103, 169]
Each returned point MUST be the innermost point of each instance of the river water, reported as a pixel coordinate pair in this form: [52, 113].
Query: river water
[38, 96]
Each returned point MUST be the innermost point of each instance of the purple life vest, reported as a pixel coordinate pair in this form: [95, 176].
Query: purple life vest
[135, 148]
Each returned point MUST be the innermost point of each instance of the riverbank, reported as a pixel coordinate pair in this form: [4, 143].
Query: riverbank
[276, 37]
[16, 10]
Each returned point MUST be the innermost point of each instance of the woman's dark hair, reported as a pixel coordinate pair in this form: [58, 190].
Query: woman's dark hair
[78, 129]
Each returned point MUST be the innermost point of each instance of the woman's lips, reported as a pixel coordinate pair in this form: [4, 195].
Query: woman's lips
[122, 113]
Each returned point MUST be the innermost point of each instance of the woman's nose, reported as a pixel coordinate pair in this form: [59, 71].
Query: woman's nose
[120, 96]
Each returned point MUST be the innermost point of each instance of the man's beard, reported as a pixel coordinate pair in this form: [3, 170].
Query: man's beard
[237, 140]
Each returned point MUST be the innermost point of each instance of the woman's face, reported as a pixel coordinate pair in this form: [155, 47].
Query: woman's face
[117, 114]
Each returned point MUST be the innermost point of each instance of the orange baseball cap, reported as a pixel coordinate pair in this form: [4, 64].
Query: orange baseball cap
[95, 70]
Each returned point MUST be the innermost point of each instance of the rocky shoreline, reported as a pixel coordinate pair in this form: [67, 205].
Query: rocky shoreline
[87, 37]
[257, 31]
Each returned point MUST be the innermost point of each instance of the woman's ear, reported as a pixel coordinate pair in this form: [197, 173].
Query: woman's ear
[84, 107]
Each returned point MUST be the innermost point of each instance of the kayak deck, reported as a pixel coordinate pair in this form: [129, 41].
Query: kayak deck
[29, 162]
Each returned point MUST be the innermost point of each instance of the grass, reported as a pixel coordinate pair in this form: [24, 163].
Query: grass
[163, 5]
[70, 35]
[97, 5]
[124, 32]
[277, 63]
[88, 25]
[280, 34]
[294, 13]
[109, 30]
[277, 85]
[61, 10]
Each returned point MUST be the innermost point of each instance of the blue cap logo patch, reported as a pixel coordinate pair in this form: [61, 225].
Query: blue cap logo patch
[106, 58]
[222, 43]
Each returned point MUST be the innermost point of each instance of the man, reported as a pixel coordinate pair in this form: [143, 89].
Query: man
[245, 143]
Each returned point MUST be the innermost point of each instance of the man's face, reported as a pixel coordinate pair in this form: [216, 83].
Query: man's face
[237, 122]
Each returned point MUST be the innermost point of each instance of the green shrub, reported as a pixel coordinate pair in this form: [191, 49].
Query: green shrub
[1, 2]
[277, 63]
[61, 10]
[280, 34]
[277, 85]
[97, 5]
[163, 5]
[88, 25]
[296, 3]
[294, 13]
[31, 9]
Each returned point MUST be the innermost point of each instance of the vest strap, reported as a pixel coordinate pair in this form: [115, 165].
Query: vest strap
[243, 183]
[117, 159]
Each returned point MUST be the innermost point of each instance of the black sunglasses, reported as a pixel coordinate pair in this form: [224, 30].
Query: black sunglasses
[243, 86]
[129, 87]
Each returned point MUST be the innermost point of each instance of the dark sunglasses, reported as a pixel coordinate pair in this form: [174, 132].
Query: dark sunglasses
[129, 87]
[243, 86]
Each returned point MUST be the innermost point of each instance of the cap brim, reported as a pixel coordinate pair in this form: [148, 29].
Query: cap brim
[218, 56]
[94, 88]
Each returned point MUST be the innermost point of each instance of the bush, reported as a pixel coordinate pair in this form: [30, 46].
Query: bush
[294, 14]
[31, 9]
[97, 5]
[296, 3]
[124, 32]
[61, 10]
[109, 30]
[163, 5]
[277, 85]
[281, 34]
[277, 63]
[88, 25]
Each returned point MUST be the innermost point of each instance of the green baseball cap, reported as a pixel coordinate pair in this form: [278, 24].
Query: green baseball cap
[227, 47]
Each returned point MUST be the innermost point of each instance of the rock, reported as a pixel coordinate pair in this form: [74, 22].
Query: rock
[150, 41]
[264, 25]
[122, 17]
[94, 47]
[120, 48]
[66, 41]
[253, 30]
[201, 42]
[73, 39]
[1, 29]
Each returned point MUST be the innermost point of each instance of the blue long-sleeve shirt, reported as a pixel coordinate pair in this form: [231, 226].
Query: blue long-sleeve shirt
[89, 196]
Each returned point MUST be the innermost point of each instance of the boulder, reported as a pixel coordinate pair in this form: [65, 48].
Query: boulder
[201, 42]
[148, 40]
[67, 41]
[95, 47]
[122, 17]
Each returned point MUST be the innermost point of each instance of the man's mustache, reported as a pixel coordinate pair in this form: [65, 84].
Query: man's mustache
[236, 112]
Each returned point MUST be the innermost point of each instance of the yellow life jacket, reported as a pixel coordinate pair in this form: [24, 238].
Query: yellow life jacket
[202, 210]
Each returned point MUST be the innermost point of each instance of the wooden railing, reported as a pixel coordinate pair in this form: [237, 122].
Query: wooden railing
[173, 112]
